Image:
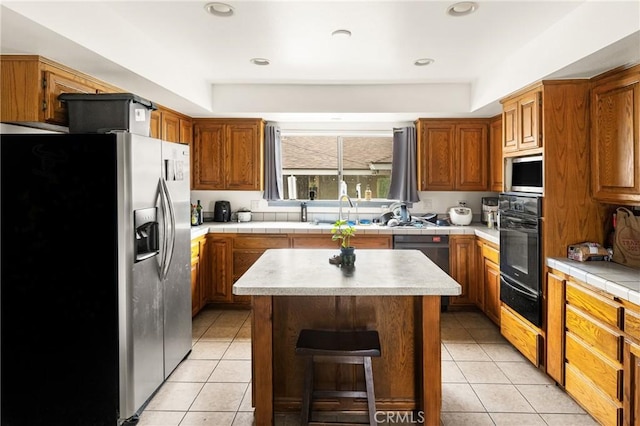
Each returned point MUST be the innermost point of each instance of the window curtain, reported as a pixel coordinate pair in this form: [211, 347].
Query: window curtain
[272, 162]
[403, 166]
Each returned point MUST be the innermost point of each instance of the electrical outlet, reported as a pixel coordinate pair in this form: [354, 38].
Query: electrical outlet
[462, 202]
[427, 203]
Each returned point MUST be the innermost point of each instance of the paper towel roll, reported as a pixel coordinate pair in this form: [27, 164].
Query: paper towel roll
[293, 189]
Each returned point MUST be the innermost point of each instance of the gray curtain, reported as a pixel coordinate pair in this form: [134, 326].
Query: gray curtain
[272, 163]
[403, 166]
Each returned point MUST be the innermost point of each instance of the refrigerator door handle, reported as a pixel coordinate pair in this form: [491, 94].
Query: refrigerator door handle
[169, 227]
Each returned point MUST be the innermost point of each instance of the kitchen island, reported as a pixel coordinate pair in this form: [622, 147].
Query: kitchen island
[396, 292]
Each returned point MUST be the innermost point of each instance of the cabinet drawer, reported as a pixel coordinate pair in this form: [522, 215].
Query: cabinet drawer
[607, 411]
[263, 241]
[604, 373]
[490, 253]
[525, 338]
[601, 337]
[595, 305]
[632, 323]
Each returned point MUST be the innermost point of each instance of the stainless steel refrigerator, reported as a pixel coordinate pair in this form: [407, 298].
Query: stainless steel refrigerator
[95, 291]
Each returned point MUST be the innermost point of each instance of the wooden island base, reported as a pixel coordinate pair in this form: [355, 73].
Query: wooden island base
[407, 376]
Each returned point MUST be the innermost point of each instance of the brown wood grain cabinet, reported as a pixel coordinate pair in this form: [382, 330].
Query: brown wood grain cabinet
[615, 137]
[462, 264]
[247, 249]
[219, 278]
[496, 161]
[228, 154]
[521, 123]
[595, 336]
[155, 124]
[521, 334]
[30, 86]
[197, 299]
[453, 155]
[491, 278]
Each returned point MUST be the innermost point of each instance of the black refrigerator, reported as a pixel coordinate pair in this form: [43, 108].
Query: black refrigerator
[95, 275]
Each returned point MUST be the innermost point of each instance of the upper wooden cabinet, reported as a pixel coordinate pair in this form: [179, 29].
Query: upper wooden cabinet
[228, 154]
[521, 130]
[615, 132]
[496, 162]
[171, 126]
[31, 85]
[453, 155]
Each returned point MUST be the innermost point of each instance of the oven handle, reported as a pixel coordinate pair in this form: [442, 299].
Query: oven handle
[525, 292]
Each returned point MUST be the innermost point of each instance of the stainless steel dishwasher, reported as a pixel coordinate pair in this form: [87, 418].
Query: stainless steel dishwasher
[435, 247]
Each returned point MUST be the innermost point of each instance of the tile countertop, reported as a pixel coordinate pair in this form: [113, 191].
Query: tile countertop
[491, 235]
[307, 272]
[619, 280]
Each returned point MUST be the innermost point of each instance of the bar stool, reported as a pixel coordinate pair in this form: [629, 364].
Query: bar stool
[338, 347]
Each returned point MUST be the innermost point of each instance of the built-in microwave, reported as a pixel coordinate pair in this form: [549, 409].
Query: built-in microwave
[524, 174]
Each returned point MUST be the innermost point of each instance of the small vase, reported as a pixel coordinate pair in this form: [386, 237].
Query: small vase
[348, 256]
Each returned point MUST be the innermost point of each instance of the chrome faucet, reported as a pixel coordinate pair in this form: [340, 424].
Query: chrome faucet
[342, 197]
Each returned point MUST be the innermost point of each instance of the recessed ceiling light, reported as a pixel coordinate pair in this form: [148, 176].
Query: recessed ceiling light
[462, 8]
[259, 61]
[341, 33]
[423, 62]
[219, 9]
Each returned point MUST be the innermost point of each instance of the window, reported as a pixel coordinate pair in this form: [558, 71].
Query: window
[318, 163]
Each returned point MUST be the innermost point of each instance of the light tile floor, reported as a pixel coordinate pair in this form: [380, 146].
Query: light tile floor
[485, 380]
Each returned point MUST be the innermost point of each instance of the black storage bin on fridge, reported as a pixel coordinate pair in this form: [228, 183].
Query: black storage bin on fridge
[102, 112]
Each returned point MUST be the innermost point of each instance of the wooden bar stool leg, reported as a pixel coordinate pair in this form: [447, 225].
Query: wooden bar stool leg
[371, 396]
[308, 391]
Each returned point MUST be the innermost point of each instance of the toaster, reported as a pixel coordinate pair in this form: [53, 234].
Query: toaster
[222, 211]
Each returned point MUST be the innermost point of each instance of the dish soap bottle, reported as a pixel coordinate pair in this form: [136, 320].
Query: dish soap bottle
[367, 193]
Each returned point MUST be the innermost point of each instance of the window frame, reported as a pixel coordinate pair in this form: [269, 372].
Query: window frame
[339, 134]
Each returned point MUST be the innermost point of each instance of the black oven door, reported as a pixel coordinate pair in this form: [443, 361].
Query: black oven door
[522, 300]
[520, 249]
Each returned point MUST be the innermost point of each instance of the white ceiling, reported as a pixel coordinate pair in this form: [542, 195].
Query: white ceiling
[176, 54]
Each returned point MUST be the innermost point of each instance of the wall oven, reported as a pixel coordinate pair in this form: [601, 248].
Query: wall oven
[520, 254]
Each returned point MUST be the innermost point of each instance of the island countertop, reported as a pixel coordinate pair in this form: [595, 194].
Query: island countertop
[307, 272]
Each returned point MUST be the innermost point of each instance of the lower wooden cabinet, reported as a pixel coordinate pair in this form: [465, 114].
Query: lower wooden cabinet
[218, 279]
[593, 349]
[462, 266]
[521, 334]
[247, 249]
[631, 403]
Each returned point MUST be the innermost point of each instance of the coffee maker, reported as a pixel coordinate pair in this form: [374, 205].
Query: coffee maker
[489, 210]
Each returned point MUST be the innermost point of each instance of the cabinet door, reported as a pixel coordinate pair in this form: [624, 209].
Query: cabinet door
[510, 126]
[615, 141]
[480, 284]
[170, 127]
[463, 267]
[492, 291]
[471, 157]
[555, 327]
[529, 121]
[208, 156]
[219, 260]
[496, 162]
[56, 111]
[195, 287]
[155, 124]
[243, 157]
[631, 403]
[186, 131]
[437, 145]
